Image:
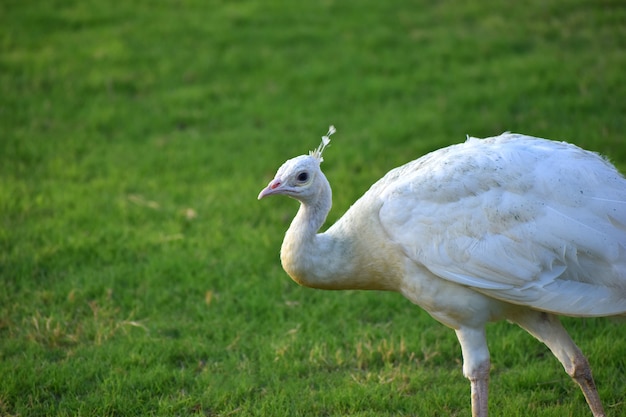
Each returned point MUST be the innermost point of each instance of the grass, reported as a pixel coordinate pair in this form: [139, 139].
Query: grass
[140, 275]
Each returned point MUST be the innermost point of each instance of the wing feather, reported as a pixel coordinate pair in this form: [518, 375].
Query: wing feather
[521, 219]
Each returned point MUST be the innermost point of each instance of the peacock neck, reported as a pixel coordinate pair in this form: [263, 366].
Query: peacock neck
[353, 254]
[314, 259]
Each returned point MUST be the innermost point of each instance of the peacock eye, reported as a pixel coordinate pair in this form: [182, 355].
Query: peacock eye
[303, 177]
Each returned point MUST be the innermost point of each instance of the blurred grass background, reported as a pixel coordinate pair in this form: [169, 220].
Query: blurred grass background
[140, 275]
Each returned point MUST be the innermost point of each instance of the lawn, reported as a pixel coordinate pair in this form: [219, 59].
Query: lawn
[140, 274]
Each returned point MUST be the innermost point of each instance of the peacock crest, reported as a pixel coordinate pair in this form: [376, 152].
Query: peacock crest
[317, 153]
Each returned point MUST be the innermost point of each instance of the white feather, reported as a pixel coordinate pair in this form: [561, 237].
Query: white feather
[520, 219]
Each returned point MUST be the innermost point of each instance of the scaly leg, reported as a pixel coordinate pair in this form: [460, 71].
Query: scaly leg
[548, 329]
[476, 366]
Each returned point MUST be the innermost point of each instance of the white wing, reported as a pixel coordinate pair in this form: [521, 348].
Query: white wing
[521, 219]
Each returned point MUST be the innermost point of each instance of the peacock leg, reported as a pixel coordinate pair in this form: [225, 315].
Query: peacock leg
[548, 329]
[476, 365]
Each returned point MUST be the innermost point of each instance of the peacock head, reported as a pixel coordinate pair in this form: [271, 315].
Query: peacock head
[299, 177]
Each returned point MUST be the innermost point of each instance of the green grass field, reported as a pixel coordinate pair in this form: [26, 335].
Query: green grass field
[140, 275]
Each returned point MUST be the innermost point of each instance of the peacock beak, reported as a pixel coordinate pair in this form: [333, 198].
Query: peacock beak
[272, 188]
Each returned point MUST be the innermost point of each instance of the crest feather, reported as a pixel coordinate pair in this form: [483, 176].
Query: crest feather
[317, 153]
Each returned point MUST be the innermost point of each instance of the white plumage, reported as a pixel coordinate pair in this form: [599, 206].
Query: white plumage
[509, 227]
